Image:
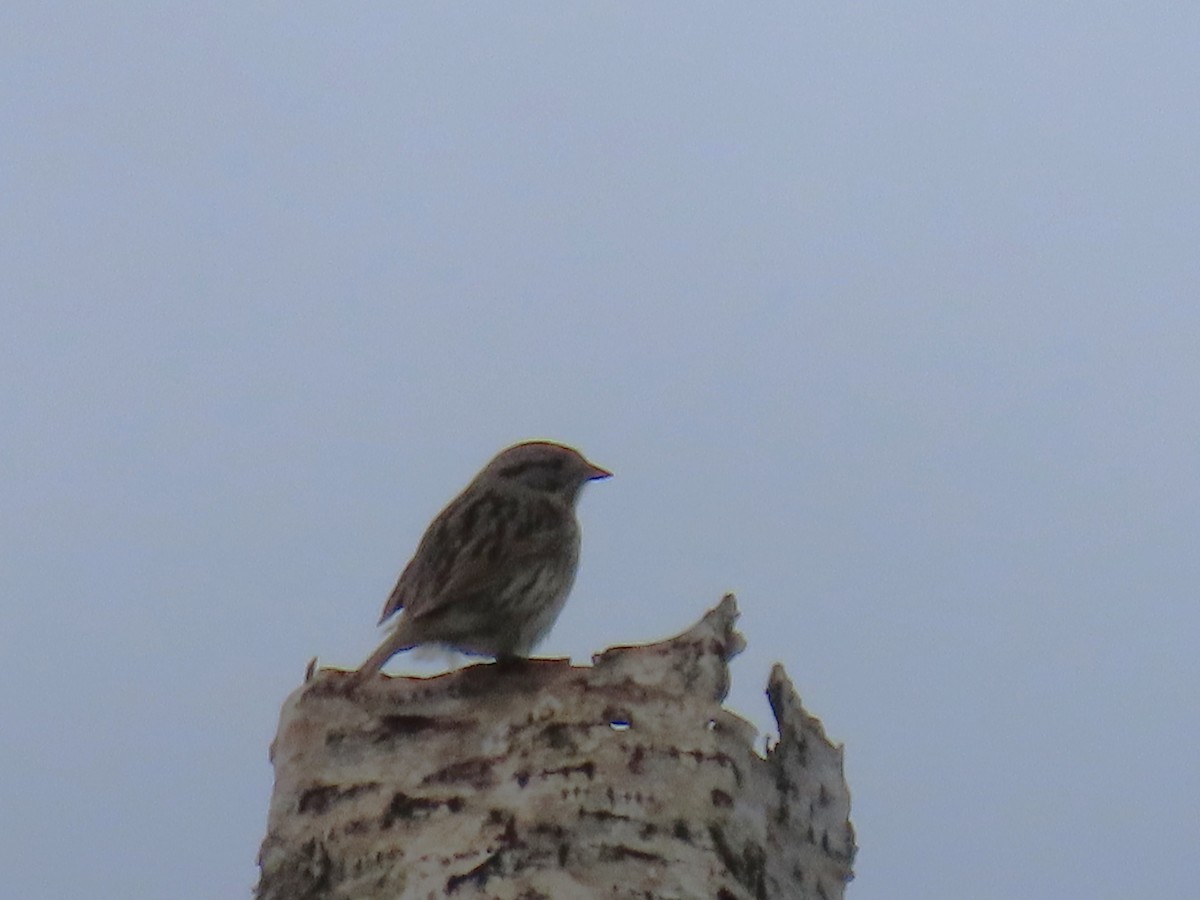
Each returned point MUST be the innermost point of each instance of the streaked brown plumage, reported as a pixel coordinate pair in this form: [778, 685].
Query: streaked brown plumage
[493, 570]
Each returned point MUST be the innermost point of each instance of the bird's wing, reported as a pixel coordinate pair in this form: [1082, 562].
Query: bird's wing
[460, 552]
[398, 598]
[436, 557]
[479, 573]
[479, 579]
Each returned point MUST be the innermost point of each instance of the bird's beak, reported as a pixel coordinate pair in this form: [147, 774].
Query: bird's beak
[595, 473]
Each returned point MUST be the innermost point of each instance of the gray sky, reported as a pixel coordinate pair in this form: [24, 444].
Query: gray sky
[885, 315]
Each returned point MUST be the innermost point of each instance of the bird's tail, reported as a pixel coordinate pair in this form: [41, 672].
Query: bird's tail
[394, 643]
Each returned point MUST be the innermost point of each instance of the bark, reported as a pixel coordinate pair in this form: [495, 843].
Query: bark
[541, 779]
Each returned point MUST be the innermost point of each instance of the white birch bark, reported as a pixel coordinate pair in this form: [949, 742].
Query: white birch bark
[625, 779]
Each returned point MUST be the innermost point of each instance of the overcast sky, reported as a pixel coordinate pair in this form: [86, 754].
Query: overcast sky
[887, 317]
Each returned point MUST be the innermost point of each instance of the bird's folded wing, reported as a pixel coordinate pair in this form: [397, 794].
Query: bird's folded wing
[435, 560]
[477, 577]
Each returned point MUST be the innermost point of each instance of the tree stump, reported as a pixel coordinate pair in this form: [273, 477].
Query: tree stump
[539, 779]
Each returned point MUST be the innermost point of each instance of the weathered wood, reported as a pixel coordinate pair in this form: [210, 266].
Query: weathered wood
[544, 780]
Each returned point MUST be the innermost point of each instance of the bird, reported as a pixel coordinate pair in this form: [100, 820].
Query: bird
[493, 570]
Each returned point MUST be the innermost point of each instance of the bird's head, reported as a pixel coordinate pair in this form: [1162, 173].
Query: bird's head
[544, 466]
